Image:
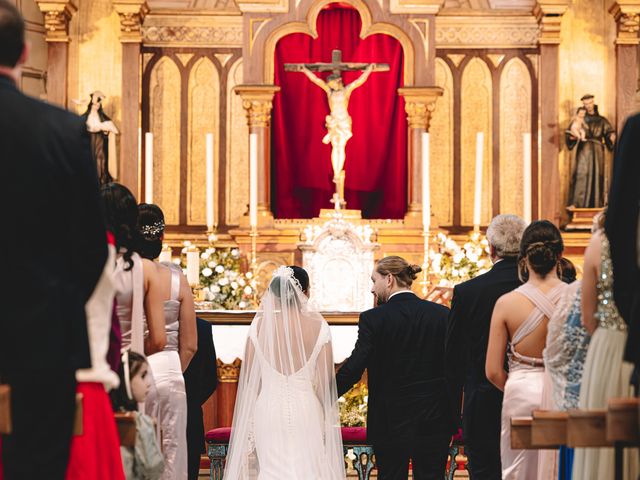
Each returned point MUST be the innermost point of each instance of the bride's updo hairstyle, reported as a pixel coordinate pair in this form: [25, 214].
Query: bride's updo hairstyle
[151, 230]
[404, 272]
[541, 247]
[300, 276]
[121, 215]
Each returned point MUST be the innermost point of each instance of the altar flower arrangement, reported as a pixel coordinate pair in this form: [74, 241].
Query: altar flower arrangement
[353, 406]
[453, 263]
[221, 278]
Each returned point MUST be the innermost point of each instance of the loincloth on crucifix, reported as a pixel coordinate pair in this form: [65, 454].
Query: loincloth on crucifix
[338, 122]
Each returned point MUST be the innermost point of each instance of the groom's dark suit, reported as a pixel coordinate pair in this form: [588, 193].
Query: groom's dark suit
[401, 344]
[465, 357]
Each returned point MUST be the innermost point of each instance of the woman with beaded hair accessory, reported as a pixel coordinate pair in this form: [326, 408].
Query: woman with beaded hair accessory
[285, 422]
[519, 321]
[169, 400]
[605, 374]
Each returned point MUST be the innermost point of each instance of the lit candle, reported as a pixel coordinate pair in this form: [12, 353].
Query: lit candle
[253, 180]
[165, 254]
[193, 266]
[426, 191]
[209, 180]
[477, 199]
[148, 167]
[526, 177]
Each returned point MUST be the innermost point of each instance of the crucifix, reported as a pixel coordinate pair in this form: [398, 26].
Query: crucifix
[338, 122]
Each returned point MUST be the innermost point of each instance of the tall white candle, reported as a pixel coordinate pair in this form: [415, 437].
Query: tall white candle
[193, 266]
[477, 199]
[148, 167]
[253, 180]
[526, 177]
[426, 190]
[209, 179]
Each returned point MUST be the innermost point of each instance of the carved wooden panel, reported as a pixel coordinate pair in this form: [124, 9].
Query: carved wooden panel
[237, 150]
[515, 120]
[164, 108]
[476, 116]
[441, 143]
[204, 86]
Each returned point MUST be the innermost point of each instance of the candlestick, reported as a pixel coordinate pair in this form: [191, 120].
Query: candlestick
[193, 266]
[477, 199]
[148, 167]
[426, 190]
[209, 180]
[253, 180]
[526, 177]
[165, 254]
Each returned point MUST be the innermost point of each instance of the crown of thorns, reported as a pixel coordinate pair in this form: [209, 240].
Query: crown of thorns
[152, 231]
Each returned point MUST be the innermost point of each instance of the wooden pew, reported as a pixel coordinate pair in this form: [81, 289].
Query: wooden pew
[587, 428]
[521, 433]
[126, 423]
[549, 429]
[622, 428]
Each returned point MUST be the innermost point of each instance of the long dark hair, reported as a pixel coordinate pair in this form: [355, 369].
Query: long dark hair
[150, 230]
[541, 247]
[121, 214]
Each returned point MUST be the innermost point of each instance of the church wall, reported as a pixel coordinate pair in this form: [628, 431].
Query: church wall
[95, 57]
[33, 79]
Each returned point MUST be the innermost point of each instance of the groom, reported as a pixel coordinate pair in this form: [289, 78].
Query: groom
[401, 343]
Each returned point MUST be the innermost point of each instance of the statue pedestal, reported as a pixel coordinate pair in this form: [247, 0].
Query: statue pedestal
[581, 218]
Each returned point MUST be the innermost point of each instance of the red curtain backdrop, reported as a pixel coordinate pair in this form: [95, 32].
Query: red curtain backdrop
[376, 155]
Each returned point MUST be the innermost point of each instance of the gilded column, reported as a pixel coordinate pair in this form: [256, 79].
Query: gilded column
[419, 104]
[228, 375]
[549, 15]
[627, 16]
[257, 100]
[132, 13]
[57, 15]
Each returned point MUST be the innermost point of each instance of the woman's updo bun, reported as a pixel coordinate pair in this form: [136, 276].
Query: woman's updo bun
[541, 247]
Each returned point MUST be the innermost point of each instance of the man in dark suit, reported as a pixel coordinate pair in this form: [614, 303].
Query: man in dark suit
[200, 380]
[401, 344]
[55, 249]
[622, 226]
[466, 348]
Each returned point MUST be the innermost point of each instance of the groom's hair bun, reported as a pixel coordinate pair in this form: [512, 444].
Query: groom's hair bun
[404, 272]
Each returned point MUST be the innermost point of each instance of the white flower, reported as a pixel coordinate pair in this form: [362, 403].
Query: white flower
[473, 257]
[248, 290]
[186, 243]
[451, 245]
[457, 258]
[184, 272]
[249, 275]
[234, 285]
[176, 261]
[223, 281]
[212, 264]
[208, 296]
[235, 252]
[184, 250]
[242, 304]
[215, 288]
[341, 400]
[219, 269]
[207, 272]
[242, 282]
[205, 255]
[455, 272]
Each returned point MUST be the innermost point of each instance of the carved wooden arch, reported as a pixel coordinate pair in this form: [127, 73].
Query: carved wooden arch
[368, 11]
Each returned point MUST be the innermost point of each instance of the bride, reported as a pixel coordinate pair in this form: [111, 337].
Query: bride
[285, 423]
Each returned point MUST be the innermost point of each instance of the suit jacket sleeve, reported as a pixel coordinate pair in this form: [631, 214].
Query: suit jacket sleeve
[352, 370]
[89, 235]
[456, 343]
[622, 215]
[209, 379]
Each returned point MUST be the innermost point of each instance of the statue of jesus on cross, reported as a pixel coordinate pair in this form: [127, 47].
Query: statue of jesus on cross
[338, 121]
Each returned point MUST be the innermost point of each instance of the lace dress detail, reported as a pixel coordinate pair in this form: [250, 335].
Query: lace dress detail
[607, 313]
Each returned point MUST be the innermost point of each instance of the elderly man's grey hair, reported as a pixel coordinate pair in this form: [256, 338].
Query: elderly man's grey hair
[504, 234]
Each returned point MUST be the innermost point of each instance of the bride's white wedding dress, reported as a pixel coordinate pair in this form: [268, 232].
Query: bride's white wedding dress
[286, 423]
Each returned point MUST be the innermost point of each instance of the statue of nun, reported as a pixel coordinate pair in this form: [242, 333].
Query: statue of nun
[102, 132]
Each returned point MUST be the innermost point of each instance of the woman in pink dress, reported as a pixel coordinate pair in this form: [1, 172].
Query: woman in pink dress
[520, 321]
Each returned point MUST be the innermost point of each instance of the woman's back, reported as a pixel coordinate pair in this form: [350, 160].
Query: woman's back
[169, 288]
